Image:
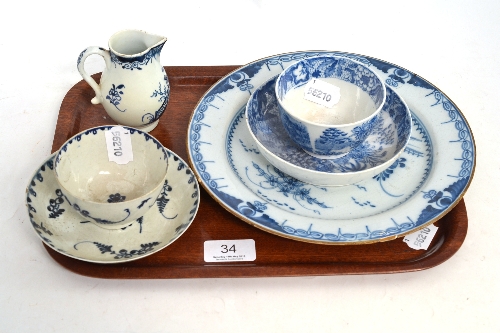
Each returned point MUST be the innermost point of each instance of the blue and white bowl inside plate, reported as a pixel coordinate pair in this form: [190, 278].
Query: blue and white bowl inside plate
[357, 95]
[385, 143]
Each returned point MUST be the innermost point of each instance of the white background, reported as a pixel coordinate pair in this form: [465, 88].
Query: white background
[453, 44]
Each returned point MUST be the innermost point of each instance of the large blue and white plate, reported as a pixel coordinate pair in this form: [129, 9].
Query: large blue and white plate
[66, 231]
[426, 181]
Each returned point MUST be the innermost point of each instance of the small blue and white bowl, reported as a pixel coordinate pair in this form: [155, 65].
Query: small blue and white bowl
[362, 97]
[106, 193]
[377, 152]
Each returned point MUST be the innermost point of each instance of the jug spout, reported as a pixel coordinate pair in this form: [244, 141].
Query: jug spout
[134, 43]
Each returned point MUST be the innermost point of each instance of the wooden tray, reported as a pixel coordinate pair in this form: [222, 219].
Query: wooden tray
[276, 256]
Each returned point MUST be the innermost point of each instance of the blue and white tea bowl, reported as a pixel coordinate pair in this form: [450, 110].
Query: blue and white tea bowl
[380, 150]
[63, 229]
[330, 140]
[108, 194]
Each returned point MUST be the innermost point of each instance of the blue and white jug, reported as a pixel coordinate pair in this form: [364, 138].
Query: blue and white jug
[134, 87]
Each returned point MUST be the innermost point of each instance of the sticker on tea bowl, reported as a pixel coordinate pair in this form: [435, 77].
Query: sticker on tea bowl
[103, 191]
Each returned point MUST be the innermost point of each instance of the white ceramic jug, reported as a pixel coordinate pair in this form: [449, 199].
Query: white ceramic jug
[134, 87]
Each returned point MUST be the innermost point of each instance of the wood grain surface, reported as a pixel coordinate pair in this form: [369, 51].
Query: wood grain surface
[276, 256]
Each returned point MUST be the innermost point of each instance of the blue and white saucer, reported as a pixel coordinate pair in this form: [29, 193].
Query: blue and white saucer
[67, 232]
[427, 180]
[385, 143]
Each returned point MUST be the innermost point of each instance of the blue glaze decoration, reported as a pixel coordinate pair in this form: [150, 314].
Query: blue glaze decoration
[138, 62]
[138, 221]
[117, 198]
[398, 76]
[114, 96]
[88, 214]
[238, 79]
[54, 205]
[143, 202]
[163, 199]
[298, 131]
[442, 200]
[79, 60]
[381, 177]
[277, 180]
[123, 253]
[163, 94]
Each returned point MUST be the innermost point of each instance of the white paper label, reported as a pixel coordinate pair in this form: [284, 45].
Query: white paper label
[230, 250]
[322, 93]
[119, 145]
[421, 239]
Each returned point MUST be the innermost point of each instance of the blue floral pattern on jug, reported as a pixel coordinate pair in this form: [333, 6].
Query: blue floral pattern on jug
[114, 96]
[163, 95]
[451, 177]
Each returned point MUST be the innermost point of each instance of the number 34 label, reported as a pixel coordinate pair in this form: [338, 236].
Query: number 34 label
[229, 250]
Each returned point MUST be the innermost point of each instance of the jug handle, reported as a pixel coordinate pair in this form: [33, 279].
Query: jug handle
[80, 65]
